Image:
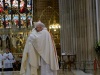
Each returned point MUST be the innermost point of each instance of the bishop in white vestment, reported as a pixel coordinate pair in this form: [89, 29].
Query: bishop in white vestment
[39, 52]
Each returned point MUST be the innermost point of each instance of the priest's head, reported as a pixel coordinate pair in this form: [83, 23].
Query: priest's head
[39, 26]
[7, 50]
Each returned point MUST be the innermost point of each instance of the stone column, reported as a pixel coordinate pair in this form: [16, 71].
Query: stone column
[78, 29]
[4, 42]
[99, 16]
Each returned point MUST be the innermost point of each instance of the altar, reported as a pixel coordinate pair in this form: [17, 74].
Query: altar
[68, 61]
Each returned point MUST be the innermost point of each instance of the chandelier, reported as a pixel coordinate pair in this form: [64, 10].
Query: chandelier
[54, 26]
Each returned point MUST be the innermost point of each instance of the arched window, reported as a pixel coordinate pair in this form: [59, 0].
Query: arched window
[15, 12]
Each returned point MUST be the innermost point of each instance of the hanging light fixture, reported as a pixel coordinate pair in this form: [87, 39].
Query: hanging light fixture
[54, 25]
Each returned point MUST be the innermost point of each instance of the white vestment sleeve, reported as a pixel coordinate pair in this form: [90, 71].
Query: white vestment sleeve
[29, 63]
[4, 56]
[1, 58]
[10, 56]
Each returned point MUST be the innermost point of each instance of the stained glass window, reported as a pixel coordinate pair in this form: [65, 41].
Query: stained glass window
[15, 12]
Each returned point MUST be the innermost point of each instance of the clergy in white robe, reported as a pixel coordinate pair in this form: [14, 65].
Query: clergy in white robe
[1, 59]
[39, 51]
[8, 60]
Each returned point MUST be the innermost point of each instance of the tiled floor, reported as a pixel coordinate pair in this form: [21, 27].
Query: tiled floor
[60, 72]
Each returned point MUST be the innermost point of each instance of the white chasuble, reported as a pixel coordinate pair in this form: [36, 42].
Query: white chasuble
[39, 44]
[46, 70]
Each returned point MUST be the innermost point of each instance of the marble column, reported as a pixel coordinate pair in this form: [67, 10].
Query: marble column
[4, 42]
[78, 29]
[99, 16]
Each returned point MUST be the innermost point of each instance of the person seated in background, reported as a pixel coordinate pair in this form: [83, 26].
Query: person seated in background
[8, 60]
[1, 59]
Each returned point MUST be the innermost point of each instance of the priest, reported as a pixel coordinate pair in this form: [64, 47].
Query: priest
[39, 53]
